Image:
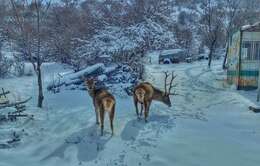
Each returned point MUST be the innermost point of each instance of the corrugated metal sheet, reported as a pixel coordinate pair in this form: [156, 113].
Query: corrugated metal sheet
[249, 73]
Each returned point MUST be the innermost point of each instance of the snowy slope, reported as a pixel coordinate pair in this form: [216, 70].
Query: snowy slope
[208, 125]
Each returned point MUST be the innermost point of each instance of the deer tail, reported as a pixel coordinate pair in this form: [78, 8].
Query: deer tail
[108, 103]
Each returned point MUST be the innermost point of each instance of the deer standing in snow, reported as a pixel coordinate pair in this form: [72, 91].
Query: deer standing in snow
[145, 93]
[103, 102]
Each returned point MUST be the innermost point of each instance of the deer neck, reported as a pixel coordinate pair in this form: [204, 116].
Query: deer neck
[92, 93]
[158, 95]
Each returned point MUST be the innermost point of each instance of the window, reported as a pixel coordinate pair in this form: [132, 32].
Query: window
[251, 50]
[246, 50]
[257, 50]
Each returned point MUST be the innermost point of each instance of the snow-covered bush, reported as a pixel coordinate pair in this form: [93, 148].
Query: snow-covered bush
[114, 44]
[5, 65]
[19, 68]
[28, 69]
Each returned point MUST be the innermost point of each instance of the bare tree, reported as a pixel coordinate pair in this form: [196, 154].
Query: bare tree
[183, 36]
[232, 9]
[27, 29]
[211, 26]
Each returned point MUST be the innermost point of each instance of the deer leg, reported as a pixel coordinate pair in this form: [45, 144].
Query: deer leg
[97, 115]
[102, 117]
[146, 110]
[111, 117]
[96, 111]
[142, 108]
[136, 106]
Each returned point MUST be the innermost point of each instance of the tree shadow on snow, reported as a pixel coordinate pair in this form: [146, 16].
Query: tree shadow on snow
[88, 142]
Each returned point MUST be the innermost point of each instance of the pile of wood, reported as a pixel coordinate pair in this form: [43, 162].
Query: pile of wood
[76, 78]
[106, 77]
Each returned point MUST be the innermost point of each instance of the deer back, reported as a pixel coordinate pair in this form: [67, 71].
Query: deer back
[103, 98]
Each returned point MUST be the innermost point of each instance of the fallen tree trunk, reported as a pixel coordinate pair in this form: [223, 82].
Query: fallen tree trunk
[92, 70]
[76, 78]
[254, 109]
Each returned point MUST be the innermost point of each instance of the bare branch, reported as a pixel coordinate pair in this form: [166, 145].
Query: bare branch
[165, 80]
[171, 82]
[170, 85]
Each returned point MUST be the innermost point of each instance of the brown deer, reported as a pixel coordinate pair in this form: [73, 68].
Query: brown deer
[103, 102]
[145, 93]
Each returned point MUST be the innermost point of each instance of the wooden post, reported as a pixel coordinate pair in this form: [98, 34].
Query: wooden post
[239, 58]
[258, 87]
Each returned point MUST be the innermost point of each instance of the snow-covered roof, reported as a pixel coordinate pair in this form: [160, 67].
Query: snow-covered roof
[164, 52]
[172, 51]
[153, 53]
[248, 27]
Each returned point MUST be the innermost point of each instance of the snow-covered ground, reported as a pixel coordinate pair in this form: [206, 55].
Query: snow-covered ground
[209, 124]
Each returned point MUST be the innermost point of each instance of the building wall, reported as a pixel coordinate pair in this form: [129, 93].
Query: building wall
[249, 74]
[233, 58]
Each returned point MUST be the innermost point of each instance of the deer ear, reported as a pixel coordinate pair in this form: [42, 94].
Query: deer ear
[92, 79]
[83, 78]
[89, 81]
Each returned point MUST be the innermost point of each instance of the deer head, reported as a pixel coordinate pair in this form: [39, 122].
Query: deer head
[90, 84]
[168, 87]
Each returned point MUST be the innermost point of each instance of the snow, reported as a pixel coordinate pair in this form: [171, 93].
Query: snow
[110, 69]
[246, 27]
[102, 77]
[69, 78]
[86, 71]
[28, 69]
[209, 124]
[152, 57]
